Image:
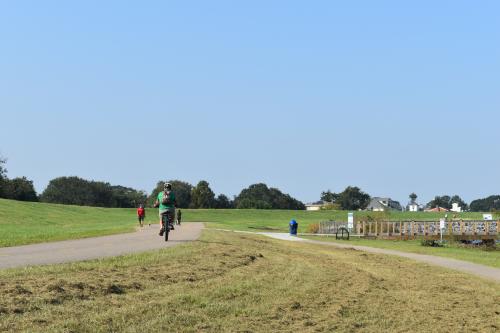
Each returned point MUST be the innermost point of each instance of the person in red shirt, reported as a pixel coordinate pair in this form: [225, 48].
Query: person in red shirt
[141, 214]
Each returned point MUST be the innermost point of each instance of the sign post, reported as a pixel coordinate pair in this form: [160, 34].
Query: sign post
[350, 221]
[488, 217]
[441, 227]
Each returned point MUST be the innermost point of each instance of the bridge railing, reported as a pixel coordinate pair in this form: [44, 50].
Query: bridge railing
[416, 229]
[412, 229]
[330, 227]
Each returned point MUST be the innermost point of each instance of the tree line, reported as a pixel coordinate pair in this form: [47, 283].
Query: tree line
[446, 201]
[353, 198]
[256, 196]
[488, 204]
[78, 191]
[19, 188]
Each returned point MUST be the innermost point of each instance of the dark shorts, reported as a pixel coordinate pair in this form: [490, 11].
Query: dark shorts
[141, 218]
[170, 216]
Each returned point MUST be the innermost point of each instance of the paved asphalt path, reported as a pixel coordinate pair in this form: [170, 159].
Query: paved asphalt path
[96, 247]
[459, 265]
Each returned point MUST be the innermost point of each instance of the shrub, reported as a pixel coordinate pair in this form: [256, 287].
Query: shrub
[431, 243]
[313, 228]
[331, 206]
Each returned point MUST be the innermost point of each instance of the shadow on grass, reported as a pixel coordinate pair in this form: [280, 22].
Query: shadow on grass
[264, 228]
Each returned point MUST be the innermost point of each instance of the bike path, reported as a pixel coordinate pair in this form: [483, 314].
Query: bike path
[483, 271]
[96, 247]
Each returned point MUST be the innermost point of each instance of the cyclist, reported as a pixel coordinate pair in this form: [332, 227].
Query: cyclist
[165, 201]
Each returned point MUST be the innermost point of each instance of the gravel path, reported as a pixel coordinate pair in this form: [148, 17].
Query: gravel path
[97, 247]
[459, 265]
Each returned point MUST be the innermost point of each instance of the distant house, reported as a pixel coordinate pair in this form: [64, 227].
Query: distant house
[413, 206]
[378, 204]
[456, 208]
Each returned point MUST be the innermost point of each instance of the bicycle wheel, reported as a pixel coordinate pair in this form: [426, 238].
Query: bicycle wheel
[166, 226]
[167, 231]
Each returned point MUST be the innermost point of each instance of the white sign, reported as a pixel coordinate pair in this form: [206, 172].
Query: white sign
[350, 220]
[487, 217]
[441, 223]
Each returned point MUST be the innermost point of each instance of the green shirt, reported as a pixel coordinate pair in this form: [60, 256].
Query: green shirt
[170, 205]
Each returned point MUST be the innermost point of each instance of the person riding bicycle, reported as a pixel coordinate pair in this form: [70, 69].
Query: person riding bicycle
[165, 201]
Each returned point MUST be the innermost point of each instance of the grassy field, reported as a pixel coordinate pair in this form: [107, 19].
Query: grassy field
[277, 220]
[230, 282]
[480, 255]
[25, 223]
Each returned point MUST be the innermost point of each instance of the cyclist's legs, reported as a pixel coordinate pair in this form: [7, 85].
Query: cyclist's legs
[171, 212]
[161, 219]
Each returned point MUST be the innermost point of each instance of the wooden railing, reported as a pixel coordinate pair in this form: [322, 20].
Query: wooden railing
[461, 229]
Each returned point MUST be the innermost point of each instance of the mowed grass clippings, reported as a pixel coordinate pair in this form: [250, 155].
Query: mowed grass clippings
[479, 255]
[229, 282]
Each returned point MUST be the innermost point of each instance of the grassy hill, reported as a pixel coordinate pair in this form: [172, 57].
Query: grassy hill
[27, 222]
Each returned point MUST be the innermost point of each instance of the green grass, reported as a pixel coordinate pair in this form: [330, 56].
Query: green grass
[230, 282]
[479, 255]
[25, 223]
[277, 220]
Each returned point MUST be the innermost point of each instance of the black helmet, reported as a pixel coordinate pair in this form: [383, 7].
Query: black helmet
[167, 186]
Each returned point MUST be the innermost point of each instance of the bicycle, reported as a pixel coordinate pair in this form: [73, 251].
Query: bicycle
[166, 220]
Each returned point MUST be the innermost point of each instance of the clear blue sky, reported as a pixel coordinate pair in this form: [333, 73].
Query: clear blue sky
[391, 96]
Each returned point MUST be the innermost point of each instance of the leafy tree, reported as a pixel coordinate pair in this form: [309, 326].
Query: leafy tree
[202, 196]
[489, 204]
[181, 189]
[447, 202]
[77, 191]
[413, 197]
[3, 171]
[127, 197]
[3, 177]
[353, 199]
[101, 194]
[20, 189]
[329, 196]
[69, 191]
[259, 196]
[223, 202]
[459, 201]
[440, 201]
